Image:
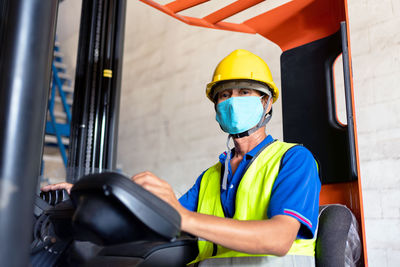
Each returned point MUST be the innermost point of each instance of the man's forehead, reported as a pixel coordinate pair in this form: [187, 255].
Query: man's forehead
[240, 84]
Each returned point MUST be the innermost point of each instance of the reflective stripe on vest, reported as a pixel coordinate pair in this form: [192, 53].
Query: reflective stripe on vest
[252, 200]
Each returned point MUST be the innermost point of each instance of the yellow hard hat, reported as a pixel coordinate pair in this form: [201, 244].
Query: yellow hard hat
[242, 65]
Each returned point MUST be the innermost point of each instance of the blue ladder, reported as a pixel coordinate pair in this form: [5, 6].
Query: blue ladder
[60, 82]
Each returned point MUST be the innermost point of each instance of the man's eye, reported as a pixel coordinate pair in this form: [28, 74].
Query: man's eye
[245, 91]
[224, 95]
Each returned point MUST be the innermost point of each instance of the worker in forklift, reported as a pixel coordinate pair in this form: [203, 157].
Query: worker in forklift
[261, 198]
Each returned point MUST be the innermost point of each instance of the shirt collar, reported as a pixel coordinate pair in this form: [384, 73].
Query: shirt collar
[252, 153]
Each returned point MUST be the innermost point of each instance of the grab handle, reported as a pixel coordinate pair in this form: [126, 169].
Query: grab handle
[349, 102]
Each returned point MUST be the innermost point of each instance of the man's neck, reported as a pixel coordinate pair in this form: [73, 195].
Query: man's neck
[246, 144]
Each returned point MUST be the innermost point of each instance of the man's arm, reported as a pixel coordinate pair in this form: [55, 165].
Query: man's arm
[296, 190]
[274, 236]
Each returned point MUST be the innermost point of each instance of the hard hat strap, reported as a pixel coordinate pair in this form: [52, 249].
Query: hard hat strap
[226, 167]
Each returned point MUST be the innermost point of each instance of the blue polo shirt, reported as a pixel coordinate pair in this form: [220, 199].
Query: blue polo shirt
[295, 192]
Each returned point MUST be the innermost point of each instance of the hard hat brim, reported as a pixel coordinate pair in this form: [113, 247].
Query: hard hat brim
[211, 86]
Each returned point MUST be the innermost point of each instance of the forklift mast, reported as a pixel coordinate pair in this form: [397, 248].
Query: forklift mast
[27, 33]
[94, 124]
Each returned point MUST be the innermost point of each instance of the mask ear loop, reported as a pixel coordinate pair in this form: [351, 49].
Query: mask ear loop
[226, 168]
[265, 118]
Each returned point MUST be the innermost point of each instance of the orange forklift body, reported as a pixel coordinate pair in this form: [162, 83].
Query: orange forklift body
[296, 24]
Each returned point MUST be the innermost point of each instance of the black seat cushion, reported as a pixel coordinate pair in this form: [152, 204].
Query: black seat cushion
[338, 243]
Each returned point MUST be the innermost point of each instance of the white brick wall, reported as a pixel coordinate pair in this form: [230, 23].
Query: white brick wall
[375, 40]
[167, 125]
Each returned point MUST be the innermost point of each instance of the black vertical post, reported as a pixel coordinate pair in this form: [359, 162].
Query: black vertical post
[113, 118]
[349, 102]
[94, 126]
[85, 65]
[26, 48]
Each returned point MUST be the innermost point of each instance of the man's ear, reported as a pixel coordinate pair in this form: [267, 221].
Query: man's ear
[265, 101]
[269, 106]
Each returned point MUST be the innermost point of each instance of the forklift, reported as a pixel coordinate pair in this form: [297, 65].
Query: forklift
[134, 227]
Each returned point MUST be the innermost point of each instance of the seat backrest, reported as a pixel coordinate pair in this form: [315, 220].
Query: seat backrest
[338, 241]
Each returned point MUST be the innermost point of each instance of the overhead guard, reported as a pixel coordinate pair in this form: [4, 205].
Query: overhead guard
[290, 25]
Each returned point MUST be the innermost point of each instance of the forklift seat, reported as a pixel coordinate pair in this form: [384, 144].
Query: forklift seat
[338, 241]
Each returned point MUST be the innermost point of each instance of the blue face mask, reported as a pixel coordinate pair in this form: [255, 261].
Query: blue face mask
[239, 114]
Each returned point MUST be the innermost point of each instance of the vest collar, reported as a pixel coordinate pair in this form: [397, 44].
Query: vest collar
[250, 154]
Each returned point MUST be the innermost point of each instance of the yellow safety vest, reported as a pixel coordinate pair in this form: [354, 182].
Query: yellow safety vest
[252, 200]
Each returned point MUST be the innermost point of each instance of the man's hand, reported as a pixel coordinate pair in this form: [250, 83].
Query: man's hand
[51, 187]
[160, 188]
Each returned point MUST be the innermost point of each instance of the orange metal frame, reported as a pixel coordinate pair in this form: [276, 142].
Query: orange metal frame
[290, 25]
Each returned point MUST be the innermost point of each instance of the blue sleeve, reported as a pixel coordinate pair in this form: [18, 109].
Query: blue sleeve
[190, 199]
[296, 190]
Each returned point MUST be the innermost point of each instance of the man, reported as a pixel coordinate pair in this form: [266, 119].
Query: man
[261, 199]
